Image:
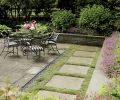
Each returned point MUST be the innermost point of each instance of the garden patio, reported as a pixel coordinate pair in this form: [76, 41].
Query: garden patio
[60, 50]
[70, 71]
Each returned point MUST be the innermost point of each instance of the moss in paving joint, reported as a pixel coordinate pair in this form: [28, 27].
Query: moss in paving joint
[66, 91]
[81, 56]
[85, 83]
[95, 58]
[70, 74]
[85, 65]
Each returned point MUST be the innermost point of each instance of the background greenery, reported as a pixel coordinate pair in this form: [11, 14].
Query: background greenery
[107, 11]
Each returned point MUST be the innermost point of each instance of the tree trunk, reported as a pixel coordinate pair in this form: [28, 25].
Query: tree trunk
[18, 13]
[11, 12]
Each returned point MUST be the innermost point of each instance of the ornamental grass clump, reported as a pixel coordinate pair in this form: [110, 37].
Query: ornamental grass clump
[108, 56]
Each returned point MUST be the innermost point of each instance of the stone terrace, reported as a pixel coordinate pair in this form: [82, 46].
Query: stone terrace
[20, 69]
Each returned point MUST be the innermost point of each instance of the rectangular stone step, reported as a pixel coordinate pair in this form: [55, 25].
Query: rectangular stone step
[80, 61]
[65, 82]
[59, 96]
[88, 48]
[74, 69]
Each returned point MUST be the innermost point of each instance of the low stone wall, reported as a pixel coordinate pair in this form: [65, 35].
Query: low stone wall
[81, 39]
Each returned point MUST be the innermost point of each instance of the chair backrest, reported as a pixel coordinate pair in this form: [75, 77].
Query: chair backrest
[2, 35]
[54, 37]
[6, 39]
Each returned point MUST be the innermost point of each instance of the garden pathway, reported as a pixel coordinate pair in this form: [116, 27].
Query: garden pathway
[71, 76]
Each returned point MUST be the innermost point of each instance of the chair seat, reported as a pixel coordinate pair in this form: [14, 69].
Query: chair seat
[49, 42]
[11, 44]
[36, 48]
[25, 39]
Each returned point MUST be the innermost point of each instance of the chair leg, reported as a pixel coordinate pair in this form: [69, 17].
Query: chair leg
[27, 54]
[17, 50]
[13, 50]
[2, 50]
[7, 53]
[39, 53]
[44, 51]
[57, 49]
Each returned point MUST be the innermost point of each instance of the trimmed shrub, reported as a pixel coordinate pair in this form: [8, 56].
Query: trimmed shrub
[96, 17]
[62, 20]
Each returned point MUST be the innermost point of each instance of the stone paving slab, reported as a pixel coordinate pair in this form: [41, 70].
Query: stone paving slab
[59, 96]
[84, 54]
[80, 60]
[88, 48]
[24, 80]
[74, 69]
[63, 46]
[65, 82]
[12, 76]
[34, 70]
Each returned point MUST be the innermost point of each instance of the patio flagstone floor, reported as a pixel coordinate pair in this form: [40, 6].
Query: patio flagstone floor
[20, 69]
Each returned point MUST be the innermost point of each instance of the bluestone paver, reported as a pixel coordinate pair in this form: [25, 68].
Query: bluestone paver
[59, 96]
[88, 48]
[65, 82]
[74, 69]
[85, 54]
[34, 70]
[80, 60]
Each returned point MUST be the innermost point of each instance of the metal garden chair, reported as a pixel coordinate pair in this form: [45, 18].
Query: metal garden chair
[51, 42]
[10, 45]
[23, 39]
[33, 48]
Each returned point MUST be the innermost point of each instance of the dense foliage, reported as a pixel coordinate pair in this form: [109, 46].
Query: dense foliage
[111, 91]
[96, 17]
[16, 9]
[62, 20]
[100, 15]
